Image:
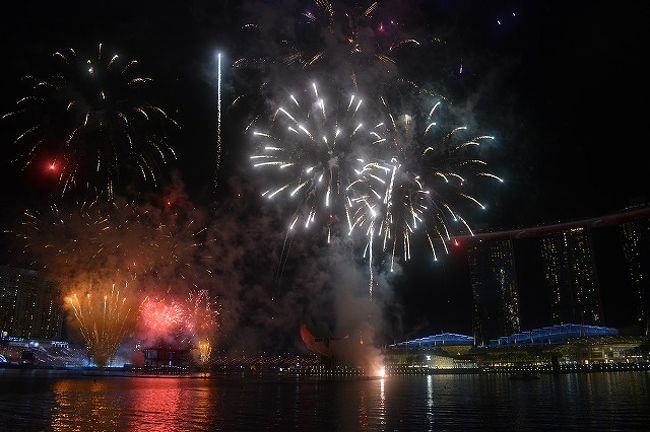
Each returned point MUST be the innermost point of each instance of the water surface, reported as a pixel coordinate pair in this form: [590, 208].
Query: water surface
[574, 402]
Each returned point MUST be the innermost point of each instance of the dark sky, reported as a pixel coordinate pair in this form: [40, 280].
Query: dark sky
[563, 86]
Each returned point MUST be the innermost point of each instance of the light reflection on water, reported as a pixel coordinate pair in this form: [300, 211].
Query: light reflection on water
[599, 401]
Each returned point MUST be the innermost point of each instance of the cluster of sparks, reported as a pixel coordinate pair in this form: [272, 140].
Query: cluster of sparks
[104, 319]
[316, 147]
[346, 27]
[89, 121]
[117, 241]
[190, 322]
[388, 179]
[325, 34]
[205, 350]
[138, 247]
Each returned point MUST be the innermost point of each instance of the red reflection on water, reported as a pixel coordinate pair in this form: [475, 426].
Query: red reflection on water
[83, 405]
[136, 404]
[164, 404]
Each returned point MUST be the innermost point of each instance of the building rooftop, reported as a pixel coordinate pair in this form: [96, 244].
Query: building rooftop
[436, 340]
[554, 334]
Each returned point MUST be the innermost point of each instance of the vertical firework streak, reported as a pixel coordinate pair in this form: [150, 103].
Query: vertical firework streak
[104, 320]
[218, 167]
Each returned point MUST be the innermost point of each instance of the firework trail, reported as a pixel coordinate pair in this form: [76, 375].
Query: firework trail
[90, 123]
[104, 319]
[310, 153]
[218, 164]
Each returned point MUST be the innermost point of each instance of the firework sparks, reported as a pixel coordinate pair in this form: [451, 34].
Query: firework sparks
[161, 319]
[93, 114]
[188, 322]
[353, 34]
[407, 175]
[142, 245]
[104, 319]
[348, 37]
[419, 182]
[312, 150]
[205, 350]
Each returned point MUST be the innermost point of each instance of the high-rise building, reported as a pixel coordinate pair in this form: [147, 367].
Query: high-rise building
[495, 300]
[30, 305]
[570, 276]
[635, 239]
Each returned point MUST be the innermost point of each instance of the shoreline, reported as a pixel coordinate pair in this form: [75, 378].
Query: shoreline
[243, 373]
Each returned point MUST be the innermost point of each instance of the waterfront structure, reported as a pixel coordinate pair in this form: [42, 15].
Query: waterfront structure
[556, 334]
[566, 344]
[439, 351]
[570, 276]
[167, 357]
[495, 300]
[30, 305]
[635, 239]
[41, 353]
[435, 341]
[552, 347]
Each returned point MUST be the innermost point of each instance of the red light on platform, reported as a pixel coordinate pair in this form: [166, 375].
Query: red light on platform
[456, 243]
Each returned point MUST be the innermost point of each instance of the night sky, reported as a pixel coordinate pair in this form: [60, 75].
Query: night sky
[562, 85]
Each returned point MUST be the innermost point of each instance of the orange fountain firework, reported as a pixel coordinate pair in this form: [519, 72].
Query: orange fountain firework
[205, 349]
[104, 319]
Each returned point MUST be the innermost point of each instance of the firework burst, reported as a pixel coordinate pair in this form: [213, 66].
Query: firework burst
[91, 123]
[421, 181]
[146, 246]
[321, 37]
[357, 36]
[404, 174]
[311, 150]
[160, 318]
[189, 322]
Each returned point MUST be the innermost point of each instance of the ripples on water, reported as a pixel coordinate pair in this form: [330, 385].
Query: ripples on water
[579, 402]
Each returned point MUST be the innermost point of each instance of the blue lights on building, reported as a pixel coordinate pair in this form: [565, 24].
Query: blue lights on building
[556, 334]
[560, 333]
[436, 340]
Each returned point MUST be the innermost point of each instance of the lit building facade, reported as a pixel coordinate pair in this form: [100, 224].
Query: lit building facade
[495, 300]
[30, 305]
[570, 276]
[635, 239]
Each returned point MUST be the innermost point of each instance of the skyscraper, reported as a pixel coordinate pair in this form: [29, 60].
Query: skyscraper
[30, 305]
[635, 239]
[570, 276]
[495, 300]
